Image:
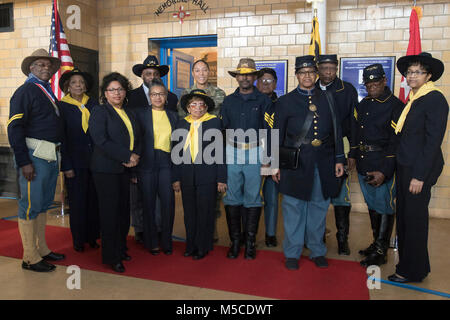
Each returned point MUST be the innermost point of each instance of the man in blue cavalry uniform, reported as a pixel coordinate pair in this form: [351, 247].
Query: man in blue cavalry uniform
[346, 99]
[138, 98]
[267, 83]
[306, 118]
[241, 111]
[35, 134]
[373, 146]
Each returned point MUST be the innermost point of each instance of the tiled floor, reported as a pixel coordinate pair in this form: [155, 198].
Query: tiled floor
[16, 283]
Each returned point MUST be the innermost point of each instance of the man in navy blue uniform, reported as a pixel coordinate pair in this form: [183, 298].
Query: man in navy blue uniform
[244, 110]
[306, 118]
[35, 134]
[373, 145]
[346, 99]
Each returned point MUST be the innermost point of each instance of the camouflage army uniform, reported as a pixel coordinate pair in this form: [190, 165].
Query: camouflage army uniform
[215, 93]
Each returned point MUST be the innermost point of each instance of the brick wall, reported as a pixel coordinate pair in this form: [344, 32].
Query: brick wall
[261, 29]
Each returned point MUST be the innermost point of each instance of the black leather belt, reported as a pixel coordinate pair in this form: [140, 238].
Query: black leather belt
[369, 148]
[316, 142]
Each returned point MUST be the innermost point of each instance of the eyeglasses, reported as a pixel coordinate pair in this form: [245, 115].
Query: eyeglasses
[309, 73]
[157, 94]
[197, 105]
[42, 65]
[267, 81]
[118, 90]
[415, 73]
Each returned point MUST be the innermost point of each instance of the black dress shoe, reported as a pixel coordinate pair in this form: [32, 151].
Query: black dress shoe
[168, 252]
[189, 253]
[271, 241]
[118, 267]
[291, 264]
[154, 252]
[126, 257]
[94, 245]
[395, 278]
[199, 255]
[139, 237]
[320, 262]
[41, 266]
[52, 256]
[78, 248]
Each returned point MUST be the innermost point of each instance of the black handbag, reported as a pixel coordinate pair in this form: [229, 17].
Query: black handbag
[290, 156]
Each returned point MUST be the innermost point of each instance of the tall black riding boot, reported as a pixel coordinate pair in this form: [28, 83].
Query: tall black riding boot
[243, 235]
[233, 214]
[342, 215]
[253, 215]
[375, 221]
[379, 257]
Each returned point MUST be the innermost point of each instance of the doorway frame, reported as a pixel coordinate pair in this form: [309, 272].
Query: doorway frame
[167, 45]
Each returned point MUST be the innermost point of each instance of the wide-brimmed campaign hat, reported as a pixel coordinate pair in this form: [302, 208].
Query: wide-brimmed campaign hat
[150, 62]
[39, 54]
[245, 66]
[197, 93]
[88, 79]
[436, 65]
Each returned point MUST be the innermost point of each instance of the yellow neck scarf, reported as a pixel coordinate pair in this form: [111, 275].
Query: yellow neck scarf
[85, 114]
[192, 138]
[423, 90]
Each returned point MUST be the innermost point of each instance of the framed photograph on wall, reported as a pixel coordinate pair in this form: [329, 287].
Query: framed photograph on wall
[351, 70]
[281, 68]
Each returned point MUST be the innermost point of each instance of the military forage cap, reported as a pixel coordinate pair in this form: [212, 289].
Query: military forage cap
[374, 72]
[304, 62]
[328, 58]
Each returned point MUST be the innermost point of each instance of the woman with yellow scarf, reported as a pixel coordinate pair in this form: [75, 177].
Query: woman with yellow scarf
[198, 177]
[76, 150]
[420, 129]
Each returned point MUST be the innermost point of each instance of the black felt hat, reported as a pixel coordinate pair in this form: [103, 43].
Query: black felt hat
[150, 62]
[327, 58]
[88, 79]
[436, 65]
[374, 72]
[304, 62]
[197, 93]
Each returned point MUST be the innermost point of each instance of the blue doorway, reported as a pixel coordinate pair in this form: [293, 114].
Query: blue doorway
[179, 53]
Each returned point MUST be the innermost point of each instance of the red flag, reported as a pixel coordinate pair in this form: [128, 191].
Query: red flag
[414, 48]
[59, 48]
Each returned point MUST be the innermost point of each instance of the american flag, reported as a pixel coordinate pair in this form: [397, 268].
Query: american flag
[59, 48]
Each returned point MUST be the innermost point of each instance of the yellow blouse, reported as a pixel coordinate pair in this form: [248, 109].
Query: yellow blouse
[162, 130]
[127, 123]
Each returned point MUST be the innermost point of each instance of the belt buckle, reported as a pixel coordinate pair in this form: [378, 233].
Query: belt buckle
[363, 148]
[316, 143]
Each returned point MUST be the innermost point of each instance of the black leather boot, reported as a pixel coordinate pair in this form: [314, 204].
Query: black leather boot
[233, 214]
[253, 215]
[379, 257]
[375, 220]
[342, 215]
[243, 236]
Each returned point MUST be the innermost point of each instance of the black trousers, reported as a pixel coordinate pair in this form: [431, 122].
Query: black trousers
[412, 227]
[158, 183]
[199, 205]
[84, 215]
[113, 192]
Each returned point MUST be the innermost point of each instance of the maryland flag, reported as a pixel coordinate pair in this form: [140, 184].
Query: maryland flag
[414, 48]
[314, 45]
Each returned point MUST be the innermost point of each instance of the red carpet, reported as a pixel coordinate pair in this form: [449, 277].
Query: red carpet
[265, 276]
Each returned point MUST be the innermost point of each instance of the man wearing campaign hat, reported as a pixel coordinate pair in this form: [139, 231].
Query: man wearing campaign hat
[373, 145]
[306, 119]
[346, 99]
[35, 134]
[139, 97]
[244, 110]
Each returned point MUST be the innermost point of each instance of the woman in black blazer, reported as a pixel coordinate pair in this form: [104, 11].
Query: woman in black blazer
[115, 134]
[199, 178]
[155, 168]
[421, 127]
[76, 150]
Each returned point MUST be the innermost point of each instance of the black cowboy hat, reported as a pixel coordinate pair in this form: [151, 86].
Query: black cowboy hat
[436, 65]
[89, 80]
[150, 62]
[197, 93]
